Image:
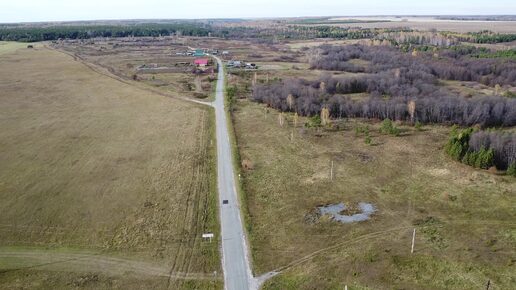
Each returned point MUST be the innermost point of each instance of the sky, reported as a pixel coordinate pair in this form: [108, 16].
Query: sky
[67, 10]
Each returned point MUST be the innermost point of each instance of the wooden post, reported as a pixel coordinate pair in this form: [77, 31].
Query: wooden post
[413, 241]
[488, 284]
[346, 287]
[331, 171]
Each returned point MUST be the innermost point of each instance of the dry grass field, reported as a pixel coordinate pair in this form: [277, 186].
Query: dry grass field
[103, 185]
[464, 218]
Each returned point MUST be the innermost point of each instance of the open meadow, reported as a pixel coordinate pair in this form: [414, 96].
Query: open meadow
[103, 184]
[464, 218]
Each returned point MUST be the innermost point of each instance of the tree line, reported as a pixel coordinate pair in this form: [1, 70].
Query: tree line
[292, 32]
[33, 34]
[448, 65]
[483, 149]
[269, 33]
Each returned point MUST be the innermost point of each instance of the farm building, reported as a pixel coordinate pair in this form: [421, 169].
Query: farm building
[202, 62]
[199, 52]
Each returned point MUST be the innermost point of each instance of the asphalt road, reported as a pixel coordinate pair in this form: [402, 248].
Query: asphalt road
[235, 254]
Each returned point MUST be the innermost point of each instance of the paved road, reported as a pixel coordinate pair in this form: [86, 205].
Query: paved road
[235, 255]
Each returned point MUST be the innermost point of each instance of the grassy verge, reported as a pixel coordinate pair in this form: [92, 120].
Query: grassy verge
[213, 224]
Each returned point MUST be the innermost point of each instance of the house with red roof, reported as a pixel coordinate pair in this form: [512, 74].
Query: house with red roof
[201, 62]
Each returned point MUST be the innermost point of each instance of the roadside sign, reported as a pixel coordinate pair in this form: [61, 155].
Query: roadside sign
[208, 236]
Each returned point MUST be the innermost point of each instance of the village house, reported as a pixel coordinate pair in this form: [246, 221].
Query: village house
[201, 62]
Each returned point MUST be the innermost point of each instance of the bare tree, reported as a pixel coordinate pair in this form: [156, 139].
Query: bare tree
[290, 101]
[281, 119]
[411, 106]
[325, 116]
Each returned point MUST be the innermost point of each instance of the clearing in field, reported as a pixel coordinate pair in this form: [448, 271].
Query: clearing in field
[464, 218]
[103, 185]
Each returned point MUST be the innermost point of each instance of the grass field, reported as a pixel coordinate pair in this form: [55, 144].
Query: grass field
[102, 184]
[464, 218]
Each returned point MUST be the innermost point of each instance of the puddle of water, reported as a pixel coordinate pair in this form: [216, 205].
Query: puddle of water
[334, 210]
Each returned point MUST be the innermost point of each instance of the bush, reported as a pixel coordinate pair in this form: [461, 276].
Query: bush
[511, 170]
[359, 130]
[368, 140]
[389, 128]
[418, 126]
[314, 121]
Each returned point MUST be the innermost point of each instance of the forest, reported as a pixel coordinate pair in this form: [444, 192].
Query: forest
[44, 33]
[34, 34]
[274, 33]
[393, 80]
[396, 36]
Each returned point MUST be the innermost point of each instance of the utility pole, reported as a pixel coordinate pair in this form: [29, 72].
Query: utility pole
[331, 171]
[413, 241]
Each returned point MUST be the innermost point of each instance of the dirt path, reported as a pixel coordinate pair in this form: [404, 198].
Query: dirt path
[93, 262]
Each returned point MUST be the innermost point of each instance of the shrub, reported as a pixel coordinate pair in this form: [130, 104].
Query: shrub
[368, 140]
[314, 121]
[389, 128]
[359, 130]
[418, 126]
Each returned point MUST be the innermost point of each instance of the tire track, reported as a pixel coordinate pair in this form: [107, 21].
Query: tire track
[81, 262]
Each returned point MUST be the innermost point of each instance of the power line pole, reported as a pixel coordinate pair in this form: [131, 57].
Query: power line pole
[331, 171]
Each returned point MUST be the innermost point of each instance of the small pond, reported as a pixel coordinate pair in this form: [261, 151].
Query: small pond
[335, 211]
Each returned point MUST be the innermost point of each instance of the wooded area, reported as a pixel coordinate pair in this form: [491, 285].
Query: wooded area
[483, 149]
[393, 80]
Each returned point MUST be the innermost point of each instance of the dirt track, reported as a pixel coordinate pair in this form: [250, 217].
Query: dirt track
[92, 262]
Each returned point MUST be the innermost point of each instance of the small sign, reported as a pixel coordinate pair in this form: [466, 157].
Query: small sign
[208, 236]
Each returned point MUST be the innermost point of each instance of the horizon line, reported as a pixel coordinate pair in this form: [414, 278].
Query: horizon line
[257, 18]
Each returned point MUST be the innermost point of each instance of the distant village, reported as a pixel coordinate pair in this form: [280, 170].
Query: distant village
[204, 62]
[201, 63]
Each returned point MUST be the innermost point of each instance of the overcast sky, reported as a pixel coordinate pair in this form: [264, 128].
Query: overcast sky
[62, 10]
